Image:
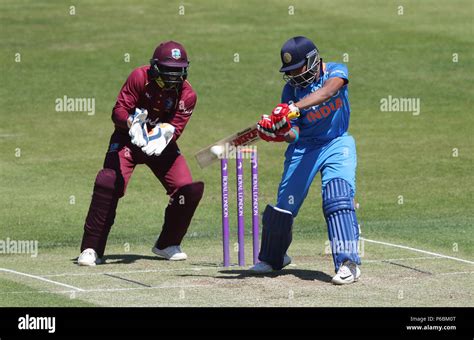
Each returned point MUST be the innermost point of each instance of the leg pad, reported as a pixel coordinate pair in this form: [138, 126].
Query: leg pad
[102, 209]
[179, 213]
[338, 208]
[276, 236]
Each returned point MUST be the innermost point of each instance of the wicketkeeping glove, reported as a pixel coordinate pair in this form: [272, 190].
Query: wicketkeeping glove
[158, 138]
[137, 125]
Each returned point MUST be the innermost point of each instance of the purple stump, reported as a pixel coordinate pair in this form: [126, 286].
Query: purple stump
[255, 215]
[240, 207]
[225, 211]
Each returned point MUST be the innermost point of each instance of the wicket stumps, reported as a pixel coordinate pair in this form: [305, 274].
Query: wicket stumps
[239, 166]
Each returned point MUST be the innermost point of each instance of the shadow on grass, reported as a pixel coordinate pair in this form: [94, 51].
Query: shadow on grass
[239, 274]
[126, 258]
[303, 274]
[207, 264]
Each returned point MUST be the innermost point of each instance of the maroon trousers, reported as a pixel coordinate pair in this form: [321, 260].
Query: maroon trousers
[111, 182]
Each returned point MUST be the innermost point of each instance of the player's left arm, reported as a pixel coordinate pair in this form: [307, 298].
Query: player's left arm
[329, 89]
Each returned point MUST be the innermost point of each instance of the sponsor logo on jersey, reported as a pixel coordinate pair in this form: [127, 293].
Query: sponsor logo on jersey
[324, 110]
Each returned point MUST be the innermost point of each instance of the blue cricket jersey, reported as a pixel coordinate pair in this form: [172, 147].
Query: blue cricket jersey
[322, 123]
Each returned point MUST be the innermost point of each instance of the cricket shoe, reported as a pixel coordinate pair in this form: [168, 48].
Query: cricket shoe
[263, 267]
[349, 272]
[172, 253]
[89, 258]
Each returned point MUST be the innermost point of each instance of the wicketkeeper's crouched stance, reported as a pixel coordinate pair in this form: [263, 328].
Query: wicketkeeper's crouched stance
[318, 142]
[152, 110]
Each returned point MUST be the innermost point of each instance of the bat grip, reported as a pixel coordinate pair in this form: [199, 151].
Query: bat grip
[293, 115]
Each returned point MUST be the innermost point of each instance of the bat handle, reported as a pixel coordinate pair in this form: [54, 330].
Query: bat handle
[293, 115]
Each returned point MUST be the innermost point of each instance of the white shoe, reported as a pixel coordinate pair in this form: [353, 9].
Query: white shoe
[263, 267]
[349, 272]
[88, 258]
[172, 253]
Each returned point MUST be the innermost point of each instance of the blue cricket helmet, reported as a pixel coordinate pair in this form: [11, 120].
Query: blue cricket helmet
[295, 53]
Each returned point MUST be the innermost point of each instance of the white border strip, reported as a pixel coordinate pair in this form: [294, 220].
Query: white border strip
[417, 250]
[41, 279]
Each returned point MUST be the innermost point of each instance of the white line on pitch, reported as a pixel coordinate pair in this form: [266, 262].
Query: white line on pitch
[111, 290]
[213, 268]
[404, 259]
[127, 272]
[41, 279]
[104, 290]
[39, 292]
[99, 290]
[418, 250]
[455, 273]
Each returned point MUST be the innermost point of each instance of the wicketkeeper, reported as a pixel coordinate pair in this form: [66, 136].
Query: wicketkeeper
[151, 112]
[318, 141]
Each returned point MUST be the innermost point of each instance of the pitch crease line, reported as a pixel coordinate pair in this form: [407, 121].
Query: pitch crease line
[41, 279]
[417, 250]
[404, 259]
[126, 272]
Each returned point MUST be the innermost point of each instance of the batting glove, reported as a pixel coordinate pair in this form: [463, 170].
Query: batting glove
[158, 138]
[266, 130]
[280, 120]
[137, 125]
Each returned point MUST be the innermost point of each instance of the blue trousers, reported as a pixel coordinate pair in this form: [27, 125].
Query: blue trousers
[336, 159]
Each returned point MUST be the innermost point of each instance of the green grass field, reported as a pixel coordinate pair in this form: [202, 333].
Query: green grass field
[49, 159]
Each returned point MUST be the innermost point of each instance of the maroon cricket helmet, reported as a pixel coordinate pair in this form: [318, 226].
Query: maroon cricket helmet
[171, 54]
[169, 65]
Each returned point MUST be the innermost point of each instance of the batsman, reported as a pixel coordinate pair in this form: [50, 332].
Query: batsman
[151, 112]
[318, 142]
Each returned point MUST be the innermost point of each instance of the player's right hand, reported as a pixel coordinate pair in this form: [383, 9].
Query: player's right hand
[266, 130]
[137, 125]
[158, 138]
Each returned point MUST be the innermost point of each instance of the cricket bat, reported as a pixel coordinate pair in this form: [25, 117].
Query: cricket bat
[247, 136]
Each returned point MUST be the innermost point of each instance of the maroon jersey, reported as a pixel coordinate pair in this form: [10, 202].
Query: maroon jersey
[163, 106]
